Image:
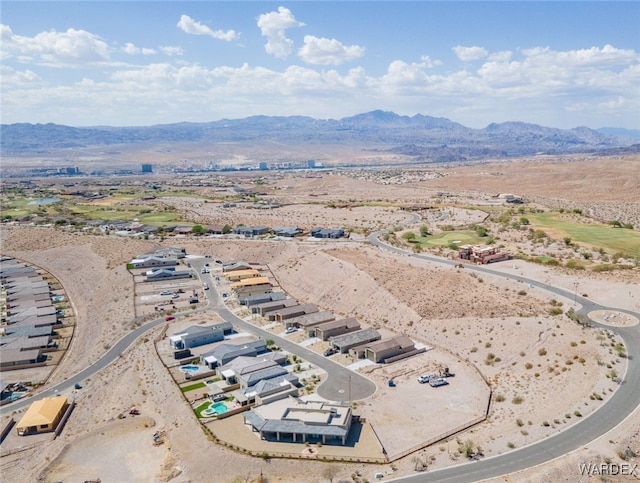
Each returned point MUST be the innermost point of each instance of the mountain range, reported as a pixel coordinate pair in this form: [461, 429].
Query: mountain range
[424, 137]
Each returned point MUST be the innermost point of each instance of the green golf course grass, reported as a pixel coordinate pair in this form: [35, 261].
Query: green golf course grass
[448, 237]
[615, 240]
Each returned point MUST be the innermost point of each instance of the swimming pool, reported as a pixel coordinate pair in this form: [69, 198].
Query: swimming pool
[190, 368]
[214, 409]
[57, 298]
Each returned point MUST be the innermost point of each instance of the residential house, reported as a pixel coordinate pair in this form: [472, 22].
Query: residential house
[262, 298]
[266, 307]
[327, 233]
[259, 289]
[353, 339]
[225, 353]
[254, 377]
[249, 282]
[382, 350]
[238, 275]
[149, 261]
[42, 416]
[235, 265]
[163, 273]
[295, 420]
[14, 358]
[251, 231]
[286, 231]
[198, 335]
[294, 311]
[312, 319]
[334, 328]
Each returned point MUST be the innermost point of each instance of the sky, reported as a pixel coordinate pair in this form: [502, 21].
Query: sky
[92, 63]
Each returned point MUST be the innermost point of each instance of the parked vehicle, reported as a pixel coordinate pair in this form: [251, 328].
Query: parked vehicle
[175, 296]
[169, 318]
[437, 381]
[206, 286]
[77, 385]
[330, 351]
[425, 378]
[290, 330]
[166, 292]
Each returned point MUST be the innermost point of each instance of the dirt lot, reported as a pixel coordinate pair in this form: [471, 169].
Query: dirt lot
[443, 307]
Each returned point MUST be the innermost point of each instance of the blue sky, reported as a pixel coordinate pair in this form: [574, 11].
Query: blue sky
[559, 64]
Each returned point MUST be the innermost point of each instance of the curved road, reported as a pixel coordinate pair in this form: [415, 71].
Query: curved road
[613, 412]
[342, 381]
[341, 384]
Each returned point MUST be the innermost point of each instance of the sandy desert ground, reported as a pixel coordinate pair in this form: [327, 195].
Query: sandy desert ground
[483, 322]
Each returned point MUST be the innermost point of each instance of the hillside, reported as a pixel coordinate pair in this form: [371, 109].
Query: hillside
[421, 137]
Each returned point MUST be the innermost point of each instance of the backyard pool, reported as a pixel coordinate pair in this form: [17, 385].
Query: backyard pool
[190, 368]
[214, 409]
[57, 298]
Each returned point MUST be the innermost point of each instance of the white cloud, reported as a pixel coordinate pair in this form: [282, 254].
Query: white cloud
[172, 51]
[56, 49]
[273, 26]
[321, 51]
[467, 54]
[428, 63]
[14, 78]
[131, 49]
[190, 26]
[503, 56]
[607, 56]
[557, 88]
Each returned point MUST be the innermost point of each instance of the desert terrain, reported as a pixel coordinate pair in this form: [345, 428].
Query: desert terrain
[545, 371]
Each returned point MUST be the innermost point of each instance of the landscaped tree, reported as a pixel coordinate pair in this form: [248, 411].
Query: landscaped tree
[198, 230]
[409, 236]
[524, 220]
[424, 231]
[226, 229]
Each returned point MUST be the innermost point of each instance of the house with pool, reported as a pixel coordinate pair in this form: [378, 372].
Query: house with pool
[297, 421]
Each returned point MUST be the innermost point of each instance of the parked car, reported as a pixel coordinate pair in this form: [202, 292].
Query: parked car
[175, 296]
[424, 378]
[290, 330]
[77, 385]
[437, 381]
[166, 292]
[206, 286]
[330, 351]
[169, 317]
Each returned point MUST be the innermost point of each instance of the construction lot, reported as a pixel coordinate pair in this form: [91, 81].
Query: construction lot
[409, 415]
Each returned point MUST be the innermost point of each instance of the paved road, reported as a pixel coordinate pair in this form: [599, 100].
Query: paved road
[342, 384]
[110, 356]
[613, 412]
[623, 402]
